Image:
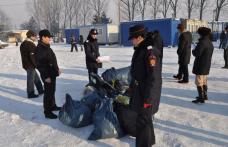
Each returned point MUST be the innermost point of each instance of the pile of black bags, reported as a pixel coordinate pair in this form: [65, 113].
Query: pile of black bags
[102, 107]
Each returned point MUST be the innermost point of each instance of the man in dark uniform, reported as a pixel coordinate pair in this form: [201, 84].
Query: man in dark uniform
[81, 42]
[184, 54]
[145, 85]
[49, 70]
[225, 47]
[73, 44]
[27, 50]
[92, 53]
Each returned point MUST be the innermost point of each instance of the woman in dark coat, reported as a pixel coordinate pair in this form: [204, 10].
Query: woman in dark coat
[202, 64]
[92, 53]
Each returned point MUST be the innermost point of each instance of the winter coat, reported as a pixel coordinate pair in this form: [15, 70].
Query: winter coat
[27, 50]
[92, 52]
[46, 61]
[203, 54]
[184, 48]
[146, 77]
[81, 40]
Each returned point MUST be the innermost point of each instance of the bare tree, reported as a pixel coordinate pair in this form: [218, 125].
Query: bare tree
[5, 23]
[98, 6]
[165, 7]
[85, 11]
[190, 6]
[174, 6]
[34, 8]
[219, 5]
[128, 8]
[78, 4]
[202, 4]
[155, 7]
[142, 5]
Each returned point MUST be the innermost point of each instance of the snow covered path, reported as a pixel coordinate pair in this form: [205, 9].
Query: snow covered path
[179, 123]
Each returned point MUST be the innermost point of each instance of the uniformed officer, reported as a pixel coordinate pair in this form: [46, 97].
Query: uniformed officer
[92, 53]
[145, 85]
[49, 70]
[73, 44]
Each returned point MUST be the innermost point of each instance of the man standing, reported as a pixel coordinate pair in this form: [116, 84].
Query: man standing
[92, 53]
[202, 64]
[184, 54]
[81, 42]
[27, 50]
[145, 85]
[49, 70]
[225, 47]
[73, 44]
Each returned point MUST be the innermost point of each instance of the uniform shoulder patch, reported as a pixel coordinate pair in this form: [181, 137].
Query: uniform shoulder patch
[87, 41]
[149, 47]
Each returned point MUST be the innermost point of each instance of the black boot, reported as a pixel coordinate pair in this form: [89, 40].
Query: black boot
[178, 77]
[205, 92]
[32, 95]
[199, 99]
[56, 108]
[50, 115]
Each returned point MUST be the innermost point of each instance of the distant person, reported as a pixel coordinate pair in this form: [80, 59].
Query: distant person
[222, 37]
[49, 70]
[17, 43]
[184, 54]
[73, 43]
[81, 42]
[27, 50]
[92, 53]
[202, 64]
[158, 43]
[225, 47]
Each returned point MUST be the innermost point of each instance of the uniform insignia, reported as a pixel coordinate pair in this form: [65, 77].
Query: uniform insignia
[150, 47]
[87, 40]
[152, 61]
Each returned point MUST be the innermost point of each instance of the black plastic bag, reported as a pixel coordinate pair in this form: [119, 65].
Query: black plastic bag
[122, 75]
[106, 124]
[92, 100]
[127, 119]
[75, 113]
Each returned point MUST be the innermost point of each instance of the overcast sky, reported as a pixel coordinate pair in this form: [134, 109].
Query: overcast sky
[15, 10]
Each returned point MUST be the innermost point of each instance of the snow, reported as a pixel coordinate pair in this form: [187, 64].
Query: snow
[179, 123]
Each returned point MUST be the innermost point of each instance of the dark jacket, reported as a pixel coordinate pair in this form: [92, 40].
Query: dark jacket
[46, 61]
[81, 40]
[92, 52]
[203, 54]
[184, 48]
[146, 77]
[27, 50]
[73, 41]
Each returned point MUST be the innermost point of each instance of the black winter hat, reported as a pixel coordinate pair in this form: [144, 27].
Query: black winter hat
[137, 30]
[203, 31]
[93, 32]
[45, 33]
[30, 33]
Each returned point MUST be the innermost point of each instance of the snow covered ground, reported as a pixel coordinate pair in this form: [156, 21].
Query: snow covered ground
[179, 123]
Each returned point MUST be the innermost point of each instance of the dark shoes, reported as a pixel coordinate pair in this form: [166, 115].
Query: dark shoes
[50, 115]
[183, 81]
[178, 77]
[198, 100]
[56, 108]
[202, 92]
[226, 67]
[32, 95]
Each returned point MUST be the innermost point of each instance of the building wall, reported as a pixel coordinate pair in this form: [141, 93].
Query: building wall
[166, 27]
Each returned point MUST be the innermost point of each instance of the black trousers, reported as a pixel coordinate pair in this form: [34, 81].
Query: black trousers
[33, 79]
[82, 48]
[49, 95]
[183, 72]
[74, 46]
[225, 55]
[145, 136]
[92, 70]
